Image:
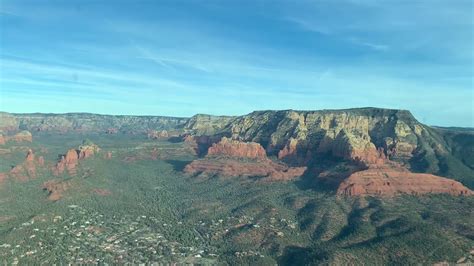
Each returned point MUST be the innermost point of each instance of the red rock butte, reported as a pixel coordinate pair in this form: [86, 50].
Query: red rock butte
[235, 148]
[390, 179]
[225, 159]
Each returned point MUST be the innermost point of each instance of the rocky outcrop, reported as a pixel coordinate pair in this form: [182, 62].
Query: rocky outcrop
[8, 122]
[201, 124]
[155, 134]
[286, 173]
[368, 135]
[357, 146]
[289, 151]
[233, 167]
[234, 148]
[111, 131]
[27, 169]
[293, 133]
[383, 177]
[391, 179]
[56, 189]
[229, 158]
[200, 144]
[23, 136]
[18, 137]
[87, 149]
[69, 161]
[365, 139]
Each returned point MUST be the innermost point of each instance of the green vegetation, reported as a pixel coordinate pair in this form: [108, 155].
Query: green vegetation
[139, 207]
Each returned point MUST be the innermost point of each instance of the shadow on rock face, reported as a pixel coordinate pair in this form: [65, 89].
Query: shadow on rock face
[178, 165]
[175, 139]
[294, 255]
[325, 174]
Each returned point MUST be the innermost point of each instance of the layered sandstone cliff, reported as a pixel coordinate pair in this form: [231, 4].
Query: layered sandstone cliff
[235, 148]
[22, 136]
[229, 158]
[84, 122]
[391, 179]
[366, 138]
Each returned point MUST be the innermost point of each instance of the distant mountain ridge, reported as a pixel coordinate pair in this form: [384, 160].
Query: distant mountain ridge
[86, 122]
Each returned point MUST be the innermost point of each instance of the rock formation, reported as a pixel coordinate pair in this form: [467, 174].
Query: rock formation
[111, 130]
[154, 134]
[391, 179]
[200, 144]
[357, 147]
[23, 136]
[30, 156]
[201, 124]
[234, 148]
[230, 167]
[229, 158]
[27, 169]
[367, 139]
[67, 162]
[87, 150]
[56, 188]
[71, 159]
[306, 134]
[18, 137]
[290, 149]
[8, 122]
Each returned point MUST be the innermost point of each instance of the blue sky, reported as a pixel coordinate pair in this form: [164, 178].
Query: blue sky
[179, 58]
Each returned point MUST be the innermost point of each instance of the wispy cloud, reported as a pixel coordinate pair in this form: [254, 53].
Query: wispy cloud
[181, 59]
[325, 30]
[309, 26]
[168, 62]
[374, 46]
[68, 73]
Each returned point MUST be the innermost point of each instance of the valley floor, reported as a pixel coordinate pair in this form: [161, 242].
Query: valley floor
[138, 206]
